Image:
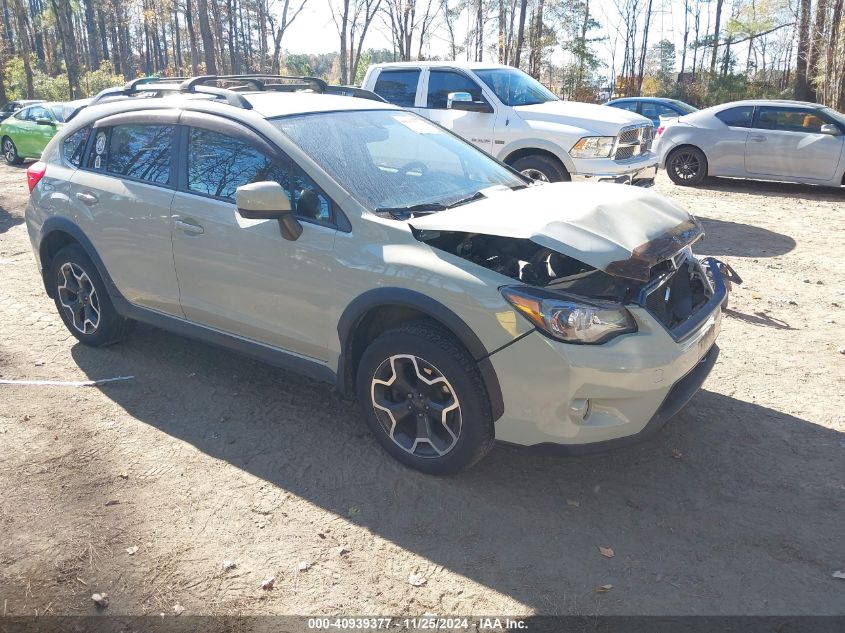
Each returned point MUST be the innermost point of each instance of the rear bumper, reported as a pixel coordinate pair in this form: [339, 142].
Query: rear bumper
[641, 174]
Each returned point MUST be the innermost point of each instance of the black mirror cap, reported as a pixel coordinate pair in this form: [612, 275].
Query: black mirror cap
[44, 121]
[472, 106]
[251, 214]
[290, 227]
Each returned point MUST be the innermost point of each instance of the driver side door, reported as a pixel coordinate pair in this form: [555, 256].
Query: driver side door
[475, 127]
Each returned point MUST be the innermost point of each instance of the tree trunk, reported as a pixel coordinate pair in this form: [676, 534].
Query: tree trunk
[802, 86]
[7, 29]
[192, 38]
[64, 25]
[716, 30]
[520, 33]
[207, 38]
[20, 19]
[104, 38]
[816, 48]
[91, 30]
[831, 66]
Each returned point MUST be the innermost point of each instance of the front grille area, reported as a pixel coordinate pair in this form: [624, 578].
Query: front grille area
[677, 295]
[634, 141]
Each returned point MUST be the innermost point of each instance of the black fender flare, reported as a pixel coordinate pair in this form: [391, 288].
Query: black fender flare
[403, 297]
[56, 224]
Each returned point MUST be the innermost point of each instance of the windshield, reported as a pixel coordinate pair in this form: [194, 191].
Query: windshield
[836, 116]
[393, 159]
[514, 87]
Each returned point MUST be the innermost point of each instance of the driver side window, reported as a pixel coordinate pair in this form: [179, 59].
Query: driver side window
[442, 82]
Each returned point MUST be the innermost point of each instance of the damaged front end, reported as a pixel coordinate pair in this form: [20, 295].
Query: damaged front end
[579, 303]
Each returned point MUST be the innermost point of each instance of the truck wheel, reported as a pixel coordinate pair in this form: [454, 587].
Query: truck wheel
[10, 152]
[687, 166]
[542, 168]
[423, 398]
[82, 300]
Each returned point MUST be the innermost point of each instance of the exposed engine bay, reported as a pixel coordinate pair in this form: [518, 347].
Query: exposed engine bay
[677, 288]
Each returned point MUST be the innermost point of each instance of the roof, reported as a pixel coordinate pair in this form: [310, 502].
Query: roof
[762, 102]
[455, 64]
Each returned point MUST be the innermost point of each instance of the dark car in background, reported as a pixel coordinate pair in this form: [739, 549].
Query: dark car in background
[10, 107]
[653, 107]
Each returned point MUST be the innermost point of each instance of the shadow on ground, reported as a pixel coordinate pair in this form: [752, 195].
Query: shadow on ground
[733, 508]
[772, 189]
[7, 220]
[723, 238]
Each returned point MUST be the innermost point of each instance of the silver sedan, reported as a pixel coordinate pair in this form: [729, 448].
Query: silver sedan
[790, 141]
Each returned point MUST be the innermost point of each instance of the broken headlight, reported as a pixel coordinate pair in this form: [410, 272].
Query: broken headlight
[568, 319]
[593, 147]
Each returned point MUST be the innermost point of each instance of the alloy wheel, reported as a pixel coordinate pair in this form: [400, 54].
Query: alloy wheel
[416, 406]
[535, 174]
[78, 297]
[686, 165]
[9, 150]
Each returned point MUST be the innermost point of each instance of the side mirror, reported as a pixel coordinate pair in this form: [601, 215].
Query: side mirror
[463, 101]
[829, 128]
[44, 121]
[267, 200]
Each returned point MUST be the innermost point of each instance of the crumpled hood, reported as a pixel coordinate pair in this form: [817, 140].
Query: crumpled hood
[619, 229]
[603, 120]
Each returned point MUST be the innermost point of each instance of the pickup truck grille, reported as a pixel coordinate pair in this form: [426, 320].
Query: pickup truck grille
[634, 141]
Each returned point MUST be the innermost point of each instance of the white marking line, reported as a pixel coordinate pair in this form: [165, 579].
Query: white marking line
[64, 383]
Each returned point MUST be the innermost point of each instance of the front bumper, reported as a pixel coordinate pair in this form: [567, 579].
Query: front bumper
[582, 398]
[641, 173]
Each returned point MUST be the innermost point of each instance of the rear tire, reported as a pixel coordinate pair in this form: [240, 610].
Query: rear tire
[10, 152]
[82, 300]
[541, 168]
[687, 166]
[422, 396]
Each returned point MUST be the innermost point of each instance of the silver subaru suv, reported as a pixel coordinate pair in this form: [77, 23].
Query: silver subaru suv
[360, 244]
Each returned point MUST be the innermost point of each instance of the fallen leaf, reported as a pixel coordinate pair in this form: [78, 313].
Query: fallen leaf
[101, 599]
[226, 565]
[416, 579]
[268, 583]
[677, 454]
[839, 574]
[124, 475]
[573, 503]
[756, 295]
[341, 551]
[131, 550]
[303, 566]
[113, 502]
[178, 609]
[607, 552]
[604, 588]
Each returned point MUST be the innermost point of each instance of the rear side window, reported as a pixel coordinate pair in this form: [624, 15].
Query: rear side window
[398, 86]
[74, 145]
[739, 116]
[442, 82]
[138, 151]
[654, 110]
[631, 106]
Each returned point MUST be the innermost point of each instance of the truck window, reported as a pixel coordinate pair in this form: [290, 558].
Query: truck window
[442, 82]
[398, 86]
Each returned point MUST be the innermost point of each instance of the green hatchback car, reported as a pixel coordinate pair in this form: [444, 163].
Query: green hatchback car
[26, 133]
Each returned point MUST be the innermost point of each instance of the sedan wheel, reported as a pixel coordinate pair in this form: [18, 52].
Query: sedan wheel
[10, 152]
[687, 166]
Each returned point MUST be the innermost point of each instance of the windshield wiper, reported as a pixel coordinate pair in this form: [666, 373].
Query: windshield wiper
[406, 213]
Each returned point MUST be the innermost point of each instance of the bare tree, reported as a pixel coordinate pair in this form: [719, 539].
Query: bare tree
[802, 85]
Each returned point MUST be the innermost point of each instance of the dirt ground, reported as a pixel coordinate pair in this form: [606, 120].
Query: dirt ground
[204, 456]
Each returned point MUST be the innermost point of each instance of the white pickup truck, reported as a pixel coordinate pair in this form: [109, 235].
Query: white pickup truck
[512, 116]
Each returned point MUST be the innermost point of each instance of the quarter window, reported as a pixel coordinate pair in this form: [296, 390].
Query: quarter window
[218, 164]
[739, 116]
[654, 110]
[74, 145]
[138, 151]
[398, 86]
[442, 82]
[790, 119]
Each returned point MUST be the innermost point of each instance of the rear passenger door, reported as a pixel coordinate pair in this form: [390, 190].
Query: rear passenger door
[120, 197]
[241, 276]
[399, 86]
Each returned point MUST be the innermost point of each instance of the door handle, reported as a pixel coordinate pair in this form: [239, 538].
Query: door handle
[87, 198]
[758, 138]
[189, 227]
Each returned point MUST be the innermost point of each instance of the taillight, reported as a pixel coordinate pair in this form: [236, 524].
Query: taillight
[35, 173]
[660, 130]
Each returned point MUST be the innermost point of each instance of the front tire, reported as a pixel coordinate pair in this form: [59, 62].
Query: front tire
[541, 168]
[422, 396]
[10, 152]
[82, 300]
[687, 166]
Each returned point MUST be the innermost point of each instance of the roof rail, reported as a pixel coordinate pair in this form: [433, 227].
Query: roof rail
[197, 85]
